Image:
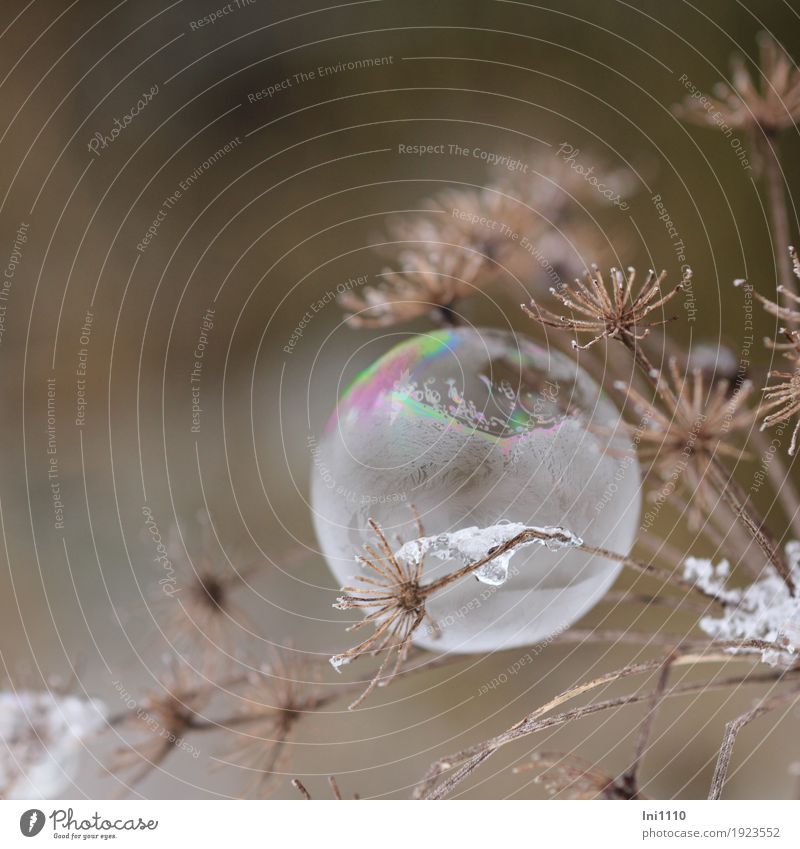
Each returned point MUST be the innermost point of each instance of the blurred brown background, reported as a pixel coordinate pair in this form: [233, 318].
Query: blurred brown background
[269, 228]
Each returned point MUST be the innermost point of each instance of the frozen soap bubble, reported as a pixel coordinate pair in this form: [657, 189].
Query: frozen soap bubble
[476, 428]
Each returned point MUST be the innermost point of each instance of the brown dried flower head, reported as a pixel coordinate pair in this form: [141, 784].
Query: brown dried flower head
[609, 310]
[771, 101]
[162, 719]
[784, 313]
[782, 399]
[393, 598]
[430, 282]
[692, 428]
[200, 607]
[481, 221]
[467, 238]
[447, 253]
[276, 697]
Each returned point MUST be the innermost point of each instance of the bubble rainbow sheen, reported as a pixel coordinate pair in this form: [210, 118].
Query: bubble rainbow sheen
[473, 427]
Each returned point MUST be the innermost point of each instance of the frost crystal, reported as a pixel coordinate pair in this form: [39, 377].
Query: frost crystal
[42, 736]
[472, 544]
[765, 610]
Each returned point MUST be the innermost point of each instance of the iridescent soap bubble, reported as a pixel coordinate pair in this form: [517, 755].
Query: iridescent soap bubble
[475, 428]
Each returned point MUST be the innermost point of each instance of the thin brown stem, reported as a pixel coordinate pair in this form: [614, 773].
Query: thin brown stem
[652, 571]
[677, 690]
[613, 637]
[648, 600]
[733, 728]
[779, 214]
[630, 779]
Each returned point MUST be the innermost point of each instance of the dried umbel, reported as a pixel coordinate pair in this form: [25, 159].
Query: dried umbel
[691, 426]
[519, 231]
[612, 309]
[480, 221]
[393, 599]
[199, 606]
[424, 284]
[275, 698]
[786, 312]
[782, 399]
[161, 720]
[440, 258]
[770, 101]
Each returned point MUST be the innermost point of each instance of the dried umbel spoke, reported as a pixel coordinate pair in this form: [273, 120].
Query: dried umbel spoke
[571, 777]
[693, 426]
[392, 596]
[782, 399]
[771, 101]
[609, 309]
[335, 791]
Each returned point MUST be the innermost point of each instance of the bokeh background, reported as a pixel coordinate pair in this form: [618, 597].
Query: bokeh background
[279, 220]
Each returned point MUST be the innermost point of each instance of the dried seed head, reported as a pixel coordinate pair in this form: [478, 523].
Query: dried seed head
[782, 399]
[771, 102]
[275, 698]
[198, 606]
[426, 282]
[609, 310]
[784, 313]
[467, 239]
[392, 596]
[692, 426]
[162, 718]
